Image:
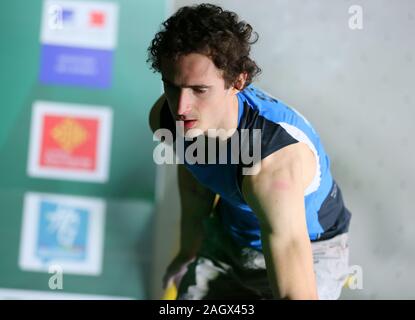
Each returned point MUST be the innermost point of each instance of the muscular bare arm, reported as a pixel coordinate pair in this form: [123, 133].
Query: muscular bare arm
[276, 195]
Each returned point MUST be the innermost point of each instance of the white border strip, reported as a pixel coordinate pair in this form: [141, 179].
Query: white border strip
[21, 294]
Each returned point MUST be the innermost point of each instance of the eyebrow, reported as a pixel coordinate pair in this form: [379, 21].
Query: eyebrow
[197, 86]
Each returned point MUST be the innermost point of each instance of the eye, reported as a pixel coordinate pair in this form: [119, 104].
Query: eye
[200, 90]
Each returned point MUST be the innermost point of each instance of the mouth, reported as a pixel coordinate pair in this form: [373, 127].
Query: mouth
[189, 123]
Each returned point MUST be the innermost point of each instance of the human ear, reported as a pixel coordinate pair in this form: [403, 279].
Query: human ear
[240, 81]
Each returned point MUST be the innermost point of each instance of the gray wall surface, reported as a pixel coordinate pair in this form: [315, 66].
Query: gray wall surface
[357, 88]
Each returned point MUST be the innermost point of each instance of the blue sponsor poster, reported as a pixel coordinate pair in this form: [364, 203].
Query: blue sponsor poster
[64, 231]
[78, 42]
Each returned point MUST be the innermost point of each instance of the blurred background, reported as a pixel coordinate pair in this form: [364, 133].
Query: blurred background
[78, 186]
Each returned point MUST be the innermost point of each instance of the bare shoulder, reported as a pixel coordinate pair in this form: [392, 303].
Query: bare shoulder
[293, 153]
[294, 162]
[154, 116]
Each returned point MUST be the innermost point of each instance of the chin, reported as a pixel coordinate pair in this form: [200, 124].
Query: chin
[193, 133]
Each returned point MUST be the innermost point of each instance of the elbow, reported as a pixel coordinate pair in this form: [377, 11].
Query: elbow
[291, 267]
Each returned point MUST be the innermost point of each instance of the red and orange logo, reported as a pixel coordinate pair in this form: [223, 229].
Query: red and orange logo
[69, 142]
[97, 19]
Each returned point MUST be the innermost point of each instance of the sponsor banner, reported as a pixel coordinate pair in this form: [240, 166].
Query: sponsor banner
[70, 141]
[78, 39]
[80, 24]
[75, 66]
[66, 231]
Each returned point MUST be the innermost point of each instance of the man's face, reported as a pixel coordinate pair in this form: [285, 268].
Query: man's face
[196, 94]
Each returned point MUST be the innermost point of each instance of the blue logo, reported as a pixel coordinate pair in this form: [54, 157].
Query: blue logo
[62, 232]
[67, 15]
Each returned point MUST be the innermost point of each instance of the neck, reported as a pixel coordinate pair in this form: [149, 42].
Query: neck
[230, 120]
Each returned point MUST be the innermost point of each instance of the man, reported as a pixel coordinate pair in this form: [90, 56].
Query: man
[279, 231]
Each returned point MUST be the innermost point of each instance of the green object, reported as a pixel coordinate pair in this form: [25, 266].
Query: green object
[129, 192]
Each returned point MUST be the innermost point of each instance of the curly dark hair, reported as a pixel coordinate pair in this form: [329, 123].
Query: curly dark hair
[209, 30]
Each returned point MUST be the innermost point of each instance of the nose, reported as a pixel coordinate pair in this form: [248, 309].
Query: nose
[183, 103]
